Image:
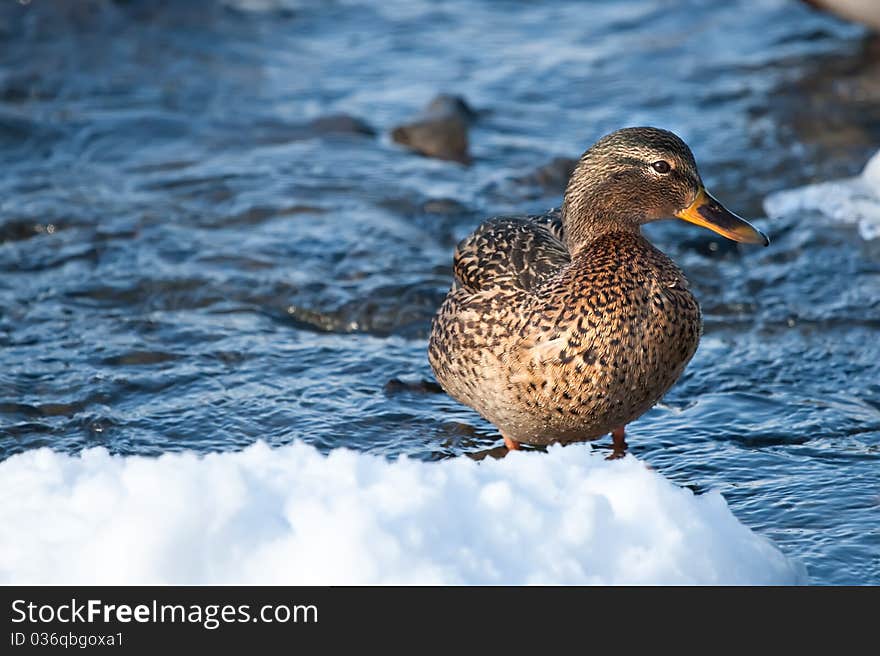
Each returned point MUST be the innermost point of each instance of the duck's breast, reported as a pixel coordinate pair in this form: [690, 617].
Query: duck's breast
[614, 334]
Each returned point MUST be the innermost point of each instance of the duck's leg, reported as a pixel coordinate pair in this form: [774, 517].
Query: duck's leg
[512, 445]
[618, 437]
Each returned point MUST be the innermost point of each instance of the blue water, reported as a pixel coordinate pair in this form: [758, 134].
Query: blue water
[187, 263]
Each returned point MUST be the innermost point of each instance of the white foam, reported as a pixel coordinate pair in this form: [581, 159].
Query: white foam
[291, 515]
[849, 200]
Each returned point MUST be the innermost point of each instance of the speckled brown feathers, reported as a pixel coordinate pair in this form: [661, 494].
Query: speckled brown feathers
[549, 349]
[565, 326]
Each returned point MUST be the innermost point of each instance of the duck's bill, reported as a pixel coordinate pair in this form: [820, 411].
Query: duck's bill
[707, 212]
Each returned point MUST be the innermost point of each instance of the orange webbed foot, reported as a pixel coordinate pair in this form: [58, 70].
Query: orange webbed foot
[512, 445]
[619, 445]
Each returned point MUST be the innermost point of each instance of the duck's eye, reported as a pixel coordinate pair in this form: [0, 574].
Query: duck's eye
[661, 166]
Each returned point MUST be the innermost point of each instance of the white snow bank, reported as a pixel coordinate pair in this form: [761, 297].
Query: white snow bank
[850, 200]
[291, 515]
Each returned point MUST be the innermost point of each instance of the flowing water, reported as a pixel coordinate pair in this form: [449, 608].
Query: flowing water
[190, 261]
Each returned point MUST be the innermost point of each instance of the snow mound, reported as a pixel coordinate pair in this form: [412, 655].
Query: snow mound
[291, 515]
[850, 200]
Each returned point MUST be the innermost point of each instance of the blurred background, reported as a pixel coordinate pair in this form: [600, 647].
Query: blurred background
[229, 221]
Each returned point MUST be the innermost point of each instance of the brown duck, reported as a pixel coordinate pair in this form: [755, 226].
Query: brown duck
[568, 326]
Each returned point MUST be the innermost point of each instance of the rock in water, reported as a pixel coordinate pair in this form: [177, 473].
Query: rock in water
[341, 124]
[866, 12]
[447, 103]
[552, 177]
[440, 131]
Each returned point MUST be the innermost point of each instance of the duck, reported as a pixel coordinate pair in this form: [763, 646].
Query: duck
[567, 326]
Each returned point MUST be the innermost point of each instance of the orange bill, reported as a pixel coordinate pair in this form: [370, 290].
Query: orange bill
[707, 212]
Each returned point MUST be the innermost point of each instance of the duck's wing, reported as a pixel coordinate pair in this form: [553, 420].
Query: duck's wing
[517, 253]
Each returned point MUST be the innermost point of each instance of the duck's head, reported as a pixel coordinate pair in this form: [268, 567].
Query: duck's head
[637, 175]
